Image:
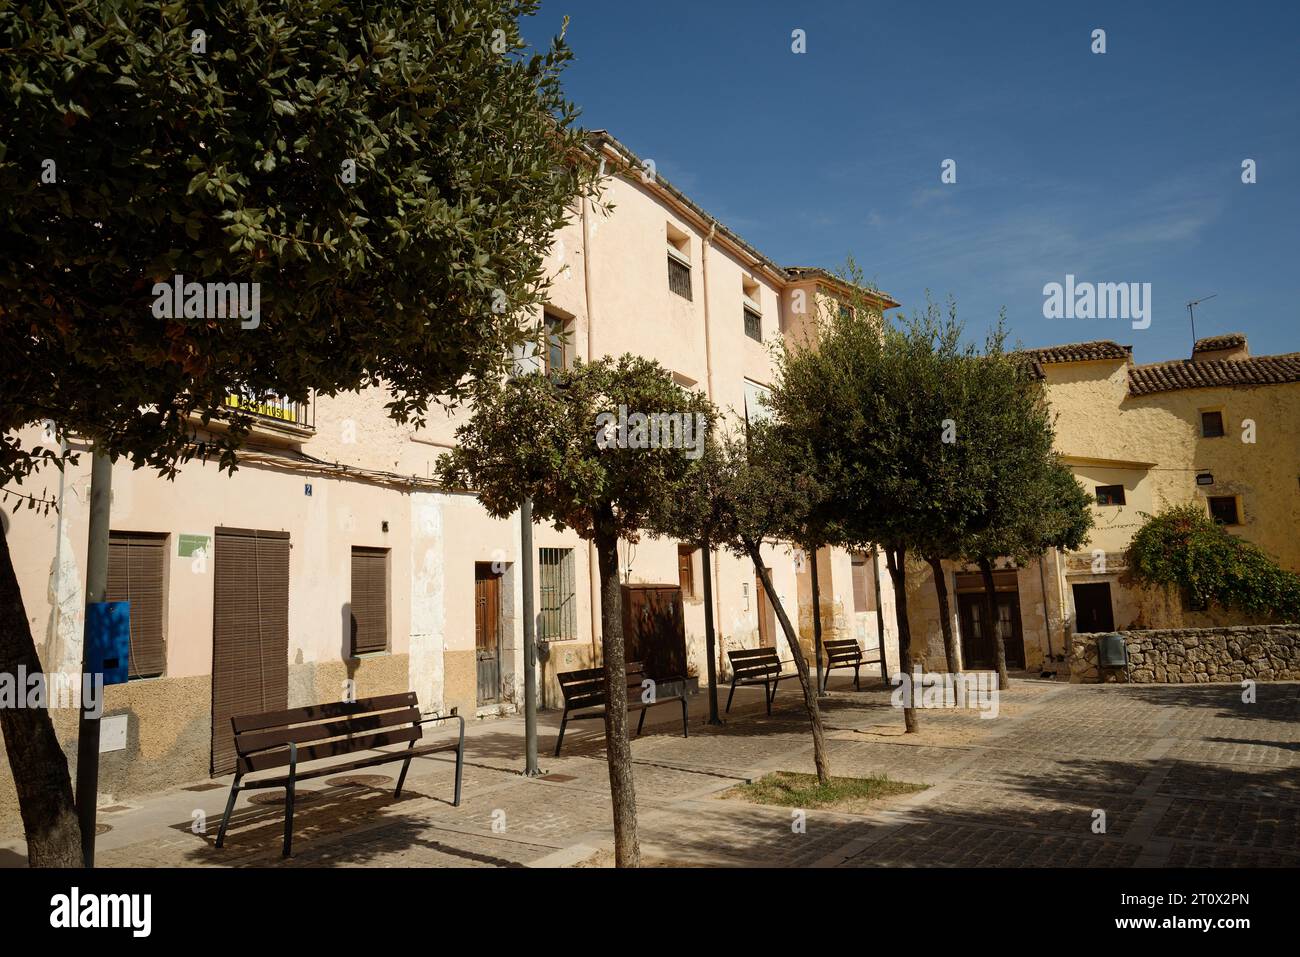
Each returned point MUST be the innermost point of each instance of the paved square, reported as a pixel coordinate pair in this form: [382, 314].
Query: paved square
[1065, 776]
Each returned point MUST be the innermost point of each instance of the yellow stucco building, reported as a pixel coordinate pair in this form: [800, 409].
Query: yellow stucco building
[1219, 428]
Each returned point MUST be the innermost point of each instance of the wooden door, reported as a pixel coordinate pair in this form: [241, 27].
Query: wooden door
[654, 629]
[1092, 608]
[766, 614]
[977, 649]
[487, 632]
[250, 632]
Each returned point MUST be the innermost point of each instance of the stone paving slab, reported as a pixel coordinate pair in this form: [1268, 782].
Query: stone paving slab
[1187, 776]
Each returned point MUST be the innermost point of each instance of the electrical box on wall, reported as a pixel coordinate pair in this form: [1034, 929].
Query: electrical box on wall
[108, 637]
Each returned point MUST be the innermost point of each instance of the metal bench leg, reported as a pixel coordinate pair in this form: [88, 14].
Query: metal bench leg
[730, 696]
[641, 722]
[230, 807]
[559, 742]
[826, 678]
[768, 694]
[856, 685]
[685, 729]
[401, 778]
[460, 760]
[288, 800]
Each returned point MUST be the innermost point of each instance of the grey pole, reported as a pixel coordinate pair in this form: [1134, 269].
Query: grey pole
[706, 563]
[530, 639]
[817, 619]
[101, 491]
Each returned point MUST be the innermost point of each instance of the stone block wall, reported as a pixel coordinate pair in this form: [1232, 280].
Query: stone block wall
[1192, 655]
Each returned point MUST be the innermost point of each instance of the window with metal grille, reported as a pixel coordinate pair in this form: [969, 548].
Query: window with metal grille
[558, 346]
[369, 600]
[1223, 509]
[1212, 425]
[753, 325]
[137, 574]
[679, 277]
[1110, 495]
[558, 620]
[864, 591]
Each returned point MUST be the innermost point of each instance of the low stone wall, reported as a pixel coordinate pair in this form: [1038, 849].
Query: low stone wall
[1191, 655]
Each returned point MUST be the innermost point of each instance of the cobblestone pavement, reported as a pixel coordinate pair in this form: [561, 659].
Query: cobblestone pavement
[1064, 776]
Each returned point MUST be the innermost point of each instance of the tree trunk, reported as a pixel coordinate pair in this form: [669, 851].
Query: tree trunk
[800, 663]
[991, 613]
[618, 749]
[945, 615]
[39, 766]
[896, 559]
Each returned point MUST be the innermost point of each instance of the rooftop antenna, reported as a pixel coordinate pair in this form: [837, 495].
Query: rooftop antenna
[1191, 312]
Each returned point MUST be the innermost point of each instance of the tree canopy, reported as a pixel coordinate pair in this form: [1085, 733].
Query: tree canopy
[390, 175]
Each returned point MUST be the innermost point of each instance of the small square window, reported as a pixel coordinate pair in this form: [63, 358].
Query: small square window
[1223, 509]
[753, 325]
[558, 354]
[1110, 495]
[1211, 425]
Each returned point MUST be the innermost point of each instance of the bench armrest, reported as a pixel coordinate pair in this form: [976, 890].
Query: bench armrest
[445, 717]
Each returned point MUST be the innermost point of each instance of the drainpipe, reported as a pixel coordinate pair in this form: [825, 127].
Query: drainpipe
[716, 557]
[1047, 622]
[593, 566]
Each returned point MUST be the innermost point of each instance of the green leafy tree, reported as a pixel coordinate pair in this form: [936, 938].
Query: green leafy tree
[1184, 548]
[1030, 499]
[748, 491]
[390, 175]
[871, 400]
[545, 438]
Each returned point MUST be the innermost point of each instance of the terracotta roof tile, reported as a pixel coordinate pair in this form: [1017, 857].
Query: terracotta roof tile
[1230, 340]
[1186, 374]
[1080, 352]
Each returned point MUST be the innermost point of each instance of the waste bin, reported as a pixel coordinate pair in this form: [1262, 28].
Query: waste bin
[1112, 652]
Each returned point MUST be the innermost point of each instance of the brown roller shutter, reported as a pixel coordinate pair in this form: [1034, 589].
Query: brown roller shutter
[137, 574]
[250, 632]
[369, 600]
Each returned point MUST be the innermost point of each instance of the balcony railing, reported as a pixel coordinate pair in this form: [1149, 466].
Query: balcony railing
[275, 408]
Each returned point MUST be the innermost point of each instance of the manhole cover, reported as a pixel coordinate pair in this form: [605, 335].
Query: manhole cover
[210, 786]
[277, 797]
[114, 808]
[361, 781]
[103, 828]
[558, 777]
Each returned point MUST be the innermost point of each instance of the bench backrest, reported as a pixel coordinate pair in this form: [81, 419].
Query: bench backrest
[754, 662]
[842, 649]
[586, 688]
[324, 730]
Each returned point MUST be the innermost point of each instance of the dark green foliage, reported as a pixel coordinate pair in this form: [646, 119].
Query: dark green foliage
[228, 165]
[1184, 548]
[535, 436]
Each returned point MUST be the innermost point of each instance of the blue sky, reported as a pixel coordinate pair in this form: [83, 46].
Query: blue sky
[1115, 167]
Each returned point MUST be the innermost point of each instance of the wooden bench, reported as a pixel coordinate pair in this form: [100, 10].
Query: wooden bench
[844, 653]
[279, 739]
[757, 666]
[585, 690]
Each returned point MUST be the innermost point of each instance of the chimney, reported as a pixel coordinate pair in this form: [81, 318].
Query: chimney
[1230, 346]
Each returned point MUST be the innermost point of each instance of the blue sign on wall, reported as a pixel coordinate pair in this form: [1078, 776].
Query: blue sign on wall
[108, 638]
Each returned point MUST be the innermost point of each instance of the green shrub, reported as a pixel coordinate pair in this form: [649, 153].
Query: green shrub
[1184, 547]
